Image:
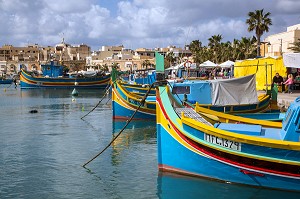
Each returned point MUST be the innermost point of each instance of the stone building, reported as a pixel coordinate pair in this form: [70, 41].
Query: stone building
[277, 44]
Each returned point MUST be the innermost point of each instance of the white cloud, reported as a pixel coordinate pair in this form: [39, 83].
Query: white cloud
[65, 7]
[136, 23]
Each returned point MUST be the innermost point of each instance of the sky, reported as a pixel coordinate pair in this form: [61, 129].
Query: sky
[136, 23]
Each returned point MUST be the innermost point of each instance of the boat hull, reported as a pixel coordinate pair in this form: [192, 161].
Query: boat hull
[125, 105]
[27, 82]
[263, 164]
[6, 81]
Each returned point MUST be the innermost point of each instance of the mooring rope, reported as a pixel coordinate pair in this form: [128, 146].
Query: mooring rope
[106, 92]
[108, 100]
[127, 122]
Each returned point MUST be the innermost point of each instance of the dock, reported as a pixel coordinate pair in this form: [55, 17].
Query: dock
[284, 99]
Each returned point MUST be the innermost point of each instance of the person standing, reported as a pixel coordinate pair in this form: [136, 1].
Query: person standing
[278, 80]
[289, 82]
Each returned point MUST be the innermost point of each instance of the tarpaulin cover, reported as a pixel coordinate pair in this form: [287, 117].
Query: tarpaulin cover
[291, 60]
[234, 91]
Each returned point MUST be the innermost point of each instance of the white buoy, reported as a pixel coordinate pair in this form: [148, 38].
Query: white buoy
[74, 92]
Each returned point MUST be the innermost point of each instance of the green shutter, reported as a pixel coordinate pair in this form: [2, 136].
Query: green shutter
[159, 61]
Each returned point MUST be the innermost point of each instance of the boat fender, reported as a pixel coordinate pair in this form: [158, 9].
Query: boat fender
[75, 92]
[76, 83]
[33, 111]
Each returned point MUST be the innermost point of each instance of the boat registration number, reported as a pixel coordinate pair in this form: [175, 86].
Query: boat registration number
[229, 144]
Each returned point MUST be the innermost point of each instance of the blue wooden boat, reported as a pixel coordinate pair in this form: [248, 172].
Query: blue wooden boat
[139, 89]
[6, 81]
[141, 77]
[234, 153]
[236, 95]
[188, 93]
[53, 78]
[125, 103]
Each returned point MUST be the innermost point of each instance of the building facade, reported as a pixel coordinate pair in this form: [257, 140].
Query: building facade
[277, 44]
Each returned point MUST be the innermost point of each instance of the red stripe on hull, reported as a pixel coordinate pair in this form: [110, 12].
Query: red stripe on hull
[239, 165]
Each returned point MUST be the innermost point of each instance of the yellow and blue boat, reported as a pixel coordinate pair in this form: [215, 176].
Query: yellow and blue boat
[139, 89]
[53, 78]
[249, 154]
[125, 103]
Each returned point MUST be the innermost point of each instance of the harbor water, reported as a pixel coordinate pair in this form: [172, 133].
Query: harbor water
[44, 143]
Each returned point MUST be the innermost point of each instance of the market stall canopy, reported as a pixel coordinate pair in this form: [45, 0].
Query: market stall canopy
[208, 64]
[227, 64]
[291, 60]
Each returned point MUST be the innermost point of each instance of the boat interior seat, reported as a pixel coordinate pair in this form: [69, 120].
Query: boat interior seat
[250, 129]
[246, 129]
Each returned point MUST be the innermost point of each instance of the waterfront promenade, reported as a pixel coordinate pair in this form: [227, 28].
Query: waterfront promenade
[284, 99]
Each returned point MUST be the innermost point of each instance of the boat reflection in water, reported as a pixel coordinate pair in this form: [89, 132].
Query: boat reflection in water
[132, 139]
[173, 186]
[134, 124]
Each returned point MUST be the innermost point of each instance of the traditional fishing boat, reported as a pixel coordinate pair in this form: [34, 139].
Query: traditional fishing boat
[53, 78]
[8, 79]
[139, 89]
[238, 153]
[146, 76]
[5, 81]
[236, 95]
[125, 103]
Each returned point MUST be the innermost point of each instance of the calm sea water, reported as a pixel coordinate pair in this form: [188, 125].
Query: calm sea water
[41, 154]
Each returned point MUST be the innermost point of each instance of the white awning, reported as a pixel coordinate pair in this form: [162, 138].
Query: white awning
[291, 60]
[227, 64]
[208, 64]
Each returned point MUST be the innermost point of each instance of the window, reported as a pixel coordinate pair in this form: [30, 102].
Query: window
[181, 90]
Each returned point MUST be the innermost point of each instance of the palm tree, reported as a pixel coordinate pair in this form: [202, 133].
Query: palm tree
[170, 58]
[226, 52]
[259, 22]
[214, 41]
[195, 46]
[296, 47]
[215, 45]
[146, 63]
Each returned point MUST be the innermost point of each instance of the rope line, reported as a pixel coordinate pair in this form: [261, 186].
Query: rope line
[106, 92]
[127, 122]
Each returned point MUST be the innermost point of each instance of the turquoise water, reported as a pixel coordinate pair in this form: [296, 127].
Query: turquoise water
[42, 153]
